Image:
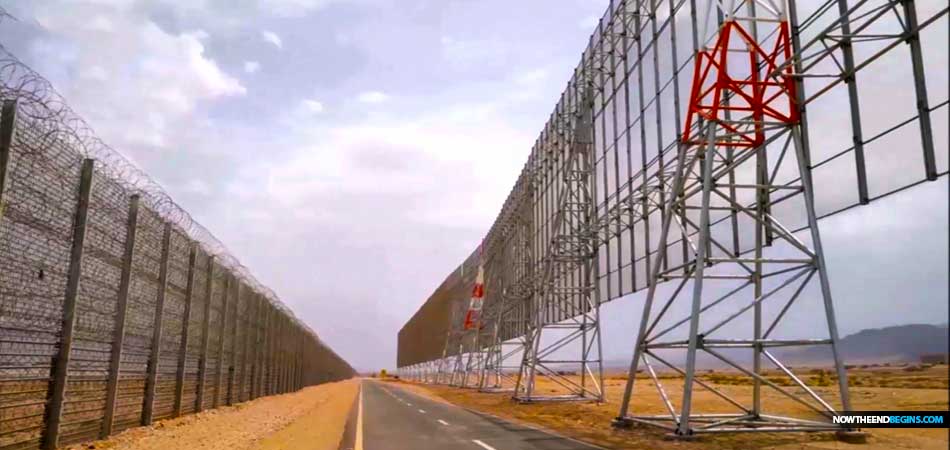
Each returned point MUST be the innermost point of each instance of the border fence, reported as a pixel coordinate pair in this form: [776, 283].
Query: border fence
[600, 208]
[642, 54]
[116, 308]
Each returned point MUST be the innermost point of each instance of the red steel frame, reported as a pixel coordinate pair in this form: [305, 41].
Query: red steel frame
[771, 96]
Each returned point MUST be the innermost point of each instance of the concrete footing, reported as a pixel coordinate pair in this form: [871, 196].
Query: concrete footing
[852, 436]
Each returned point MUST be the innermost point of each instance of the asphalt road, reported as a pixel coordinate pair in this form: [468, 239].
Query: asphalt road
[389, 418]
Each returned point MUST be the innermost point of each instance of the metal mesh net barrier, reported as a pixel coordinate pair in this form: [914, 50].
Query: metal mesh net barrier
[864, 142]
[116, 308]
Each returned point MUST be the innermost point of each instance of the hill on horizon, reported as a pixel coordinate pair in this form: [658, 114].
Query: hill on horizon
[898, 343]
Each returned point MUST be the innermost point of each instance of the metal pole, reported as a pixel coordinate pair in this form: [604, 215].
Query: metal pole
[809, 198]
[654, 273]
[847, 56]
[259, 320]
[266, 356]
[293, 340]
[221, 333]
[760, 211]
[203, 359]
[920, 87]
[121, 312]
[256, 360]
[301, 342]
[7, 133]
[232, 369]
[701, 247]
[279, 354]
[244, 322]
[152, 371]
[272, 359]
[186, 319]
[287, 356]
[60, 368]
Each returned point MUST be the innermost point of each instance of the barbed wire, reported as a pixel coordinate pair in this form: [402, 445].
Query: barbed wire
[48, 112]
[165, 319]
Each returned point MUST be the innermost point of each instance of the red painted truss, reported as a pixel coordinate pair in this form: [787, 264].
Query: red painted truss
[742, 88]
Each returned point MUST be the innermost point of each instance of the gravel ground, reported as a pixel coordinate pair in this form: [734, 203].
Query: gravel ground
[269, 423]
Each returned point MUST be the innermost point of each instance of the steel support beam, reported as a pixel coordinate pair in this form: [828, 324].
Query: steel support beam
[255, 327]
[185, 322]
[243, 321]
[7, 134]
[122, 307]
[205, 325]
[920, 88]
[222, 331]
[151, 378]
[233, 367]
[60, 368]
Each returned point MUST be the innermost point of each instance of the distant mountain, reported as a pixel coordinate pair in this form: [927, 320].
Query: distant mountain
[901, 343]
[897, 343]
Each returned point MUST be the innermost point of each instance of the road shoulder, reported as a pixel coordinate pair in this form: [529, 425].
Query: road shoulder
[322, 427]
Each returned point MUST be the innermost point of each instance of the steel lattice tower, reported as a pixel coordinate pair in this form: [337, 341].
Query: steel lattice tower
[743, 134]
[568, 274]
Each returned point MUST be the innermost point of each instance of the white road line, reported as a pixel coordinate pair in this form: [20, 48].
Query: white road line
[443, 422]
[408, 404]
[483, 445]
[358, 445]
[535, 428]
[422, 411]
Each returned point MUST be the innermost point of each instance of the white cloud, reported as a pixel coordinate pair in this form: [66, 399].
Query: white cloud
[531, 77]
[293, 8]
[406, 156]
[470, 54]
[311, 106]
[273, 38]
[589, 22]
[156, 77]
[197, 186]
[100, 23]
[96, 73]
[372, 97]
[251, 66]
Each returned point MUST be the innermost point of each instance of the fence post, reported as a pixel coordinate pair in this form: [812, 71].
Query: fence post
[295, 357]
[302, 362]
[276, 352]
[268, 354]
[278, 326]
[281, 352]
[185, 321]
[289, 364]
[291, 355]
[302, 366]
[118, 335]
[255, 321]
[7, 132]
[242, 384]
[60, 367]
[203, 360]
[262, 355]
[299, 366]
[232, 369]
[249, 345]
[221, 332]
[152, 373]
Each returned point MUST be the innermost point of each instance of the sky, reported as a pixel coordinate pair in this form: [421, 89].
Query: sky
[352, 152]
